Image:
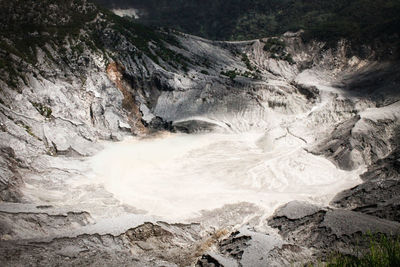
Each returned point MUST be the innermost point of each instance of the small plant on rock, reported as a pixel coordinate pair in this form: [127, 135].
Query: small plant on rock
[383, 251]
[42, 109]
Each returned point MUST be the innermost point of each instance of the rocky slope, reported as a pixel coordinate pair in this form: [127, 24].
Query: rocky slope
[80, 75]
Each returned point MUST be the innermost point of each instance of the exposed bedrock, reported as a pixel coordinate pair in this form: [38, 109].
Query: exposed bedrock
[10, 178]
[70, 105]
[192, 126]
[46, 235]
[379, 194]
[300, 233]
[366, 137]
[145, 245]
[26, 225]
[326, 229]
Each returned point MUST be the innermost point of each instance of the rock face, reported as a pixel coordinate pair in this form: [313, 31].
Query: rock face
[107, 79]
[379, 195]
[145, 245]
[117, 74]
[328, 229]
[11, 179]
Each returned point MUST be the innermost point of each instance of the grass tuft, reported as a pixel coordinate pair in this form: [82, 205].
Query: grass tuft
[383, 251]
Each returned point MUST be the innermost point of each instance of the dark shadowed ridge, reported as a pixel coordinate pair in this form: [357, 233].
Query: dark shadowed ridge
[361, 21]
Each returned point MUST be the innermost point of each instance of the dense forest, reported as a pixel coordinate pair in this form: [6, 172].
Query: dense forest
[356, 20]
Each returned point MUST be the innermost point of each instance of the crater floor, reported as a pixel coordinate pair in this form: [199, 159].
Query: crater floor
[176, 176]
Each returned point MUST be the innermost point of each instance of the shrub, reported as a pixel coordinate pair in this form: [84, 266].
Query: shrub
[246, 61]
[230, 73]
[274, 45]
[42, 109]
[383, 251]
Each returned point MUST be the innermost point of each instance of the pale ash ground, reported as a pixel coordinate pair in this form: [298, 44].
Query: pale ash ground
[175, 176]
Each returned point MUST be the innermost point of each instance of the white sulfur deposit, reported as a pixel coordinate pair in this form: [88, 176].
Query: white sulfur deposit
[128, 12]
[175, 176]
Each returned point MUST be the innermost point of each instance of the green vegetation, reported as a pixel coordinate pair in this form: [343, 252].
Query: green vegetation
[42, 109]
[383, 251]
[204, 72]
[246, 61]
[69, 28]
[288, 58]
[173, 58]
[360, 21]
[276, 47]
[151, 42]
[41, 26]
[27, 128]
[27, 25]
[232, 74]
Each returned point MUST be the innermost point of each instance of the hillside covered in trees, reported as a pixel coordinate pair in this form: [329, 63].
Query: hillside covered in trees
[360, 21]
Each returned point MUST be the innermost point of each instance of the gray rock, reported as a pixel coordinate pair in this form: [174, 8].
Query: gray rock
[192, 126]
[296, 209]
[348, 223]
[10, 178]
[379, 194]
[331, 230]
